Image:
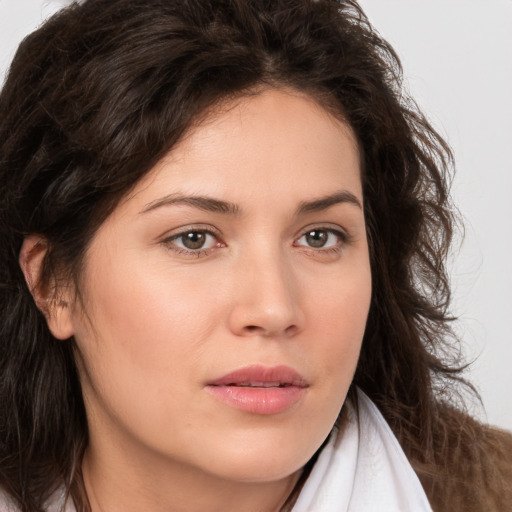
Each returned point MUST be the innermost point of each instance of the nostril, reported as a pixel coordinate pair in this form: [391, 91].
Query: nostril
[256, 330]
[291, 330]
[261, 331]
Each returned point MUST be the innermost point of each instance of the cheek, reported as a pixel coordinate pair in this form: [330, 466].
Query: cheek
[150, 298]
[146, 328]
[331, 345]
[140, 344]
[340, 314]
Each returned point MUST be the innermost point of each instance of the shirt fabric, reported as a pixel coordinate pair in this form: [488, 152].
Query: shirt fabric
[362, 469]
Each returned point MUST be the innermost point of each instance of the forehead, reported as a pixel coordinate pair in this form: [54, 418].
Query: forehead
[276, 142]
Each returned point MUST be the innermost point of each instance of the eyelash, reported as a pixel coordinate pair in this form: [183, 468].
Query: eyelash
[170, 242]
[343, 238]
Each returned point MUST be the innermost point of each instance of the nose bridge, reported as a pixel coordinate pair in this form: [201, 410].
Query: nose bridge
[267, 302]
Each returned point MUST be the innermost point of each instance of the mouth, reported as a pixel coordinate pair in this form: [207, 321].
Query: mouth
[259, 389]
[262, 377]
[259, 384]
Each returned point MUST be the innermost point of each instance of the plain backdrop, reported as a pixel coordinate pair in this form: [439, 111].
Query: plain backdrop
[457, 59]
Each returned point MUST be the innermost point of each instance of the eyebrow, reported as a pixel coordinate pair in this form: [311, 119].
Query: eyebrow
[211, 204]
[343, 196]
[208, 204]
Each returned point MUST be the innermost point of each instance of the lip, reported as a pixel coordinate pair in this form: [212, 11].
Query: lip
[259, 389]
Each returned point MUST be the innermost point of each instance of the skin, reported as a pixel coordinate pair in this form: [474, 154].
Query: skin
[157, 321]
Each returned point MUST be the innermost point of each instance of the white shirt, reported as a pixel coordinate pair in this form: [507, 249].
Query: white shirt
[362, 469]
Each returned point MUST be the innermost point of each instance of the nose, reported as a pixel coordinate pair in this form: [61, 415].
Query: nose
[266, 298]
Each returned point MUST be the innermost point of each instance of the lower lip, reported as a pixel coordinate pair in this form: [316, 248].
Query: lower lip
[258, 400]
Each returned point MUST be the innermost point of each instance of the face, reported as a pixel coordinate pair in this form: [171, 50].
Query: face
[224, 301]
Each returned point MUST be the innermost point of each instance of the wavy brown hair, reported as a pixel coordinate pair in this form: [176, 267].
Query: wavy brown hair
[104, 89]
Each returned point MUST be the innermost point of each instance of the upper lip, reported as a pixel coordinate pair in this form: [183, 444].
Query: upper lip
[261, 376]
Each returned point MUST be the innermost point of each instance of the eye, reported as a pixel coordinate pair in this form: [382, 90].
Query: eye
[321, 239]
[193, 241]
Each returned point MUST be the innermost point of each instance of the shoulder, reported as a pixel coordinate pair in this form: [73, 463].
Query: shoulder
[493, 467]
[474, 469]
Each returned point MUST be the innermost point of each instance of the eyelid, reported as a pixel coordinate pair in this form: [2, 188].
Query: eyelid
[168, 239]
[187, 228]
[343, 239]
[332, 228]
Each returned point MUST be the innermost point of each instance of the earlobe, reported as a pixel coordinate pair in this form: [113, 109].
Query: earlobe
[50, 300]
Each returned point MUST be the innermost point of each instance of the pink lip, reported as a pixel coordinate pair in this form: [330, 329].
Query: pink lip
[259, 389]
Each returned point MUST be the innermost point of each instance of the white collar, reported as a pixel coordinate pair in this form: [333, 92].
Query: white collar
[362, 469]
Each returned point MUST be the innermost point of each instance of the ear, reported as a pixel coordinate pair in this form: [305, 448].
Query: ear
[55, 304]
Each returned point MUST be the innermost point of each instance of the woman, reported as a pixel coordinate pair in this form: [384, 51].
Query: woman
[223, 235]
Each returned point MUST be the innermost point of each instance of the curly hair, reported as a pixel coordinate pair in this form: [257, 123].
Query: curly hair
[103, 90]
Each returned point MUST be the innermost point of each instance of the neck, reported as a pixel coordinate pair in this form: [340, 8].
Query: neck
[130, 487]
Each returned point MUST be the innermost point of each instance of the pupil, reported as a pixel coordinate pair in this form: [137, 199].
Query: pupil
[316, 238]
[194, 240]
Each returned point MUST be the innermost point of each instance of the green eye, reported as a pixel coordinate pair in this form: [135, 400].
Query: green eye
[320, 238]
[194, 240]
[317, 238]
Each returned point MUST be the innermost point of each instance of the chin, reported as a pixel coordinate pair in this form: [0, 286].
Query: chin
[263, 460]
[260, 471]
